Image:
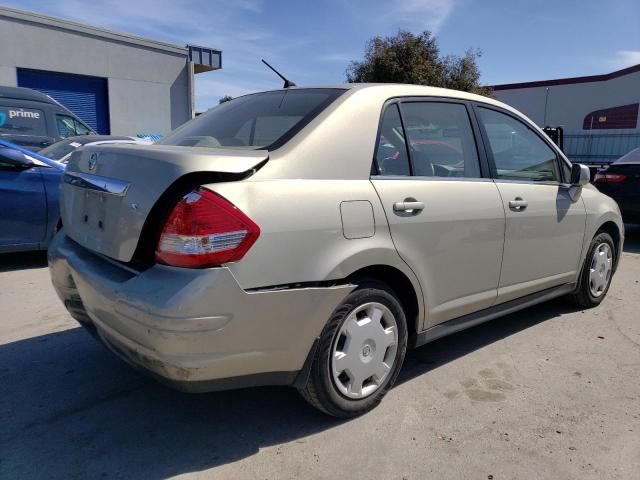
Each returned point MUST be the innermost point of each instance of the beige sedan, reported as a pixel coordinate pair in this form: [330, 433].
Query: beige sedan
[309, 236]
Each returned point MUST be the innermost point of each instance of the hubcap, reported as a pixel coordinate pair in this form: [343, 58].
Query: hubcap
[364, 351]
[600, 269]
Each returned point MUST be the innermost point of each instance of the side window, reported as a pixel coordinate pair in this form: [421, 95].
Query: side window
[80, 128]
[391, 149]
[441, 140]
[8, 159]
[4, 166]
[518, 153]
[66, 126]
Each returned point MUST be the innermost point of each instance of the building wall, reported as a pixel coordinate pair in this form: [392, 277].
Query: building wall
[567, 105]
[148, 87]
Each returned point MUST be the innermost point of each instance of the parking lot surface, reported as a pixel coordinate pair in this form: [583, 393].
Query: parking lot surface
[551, 392]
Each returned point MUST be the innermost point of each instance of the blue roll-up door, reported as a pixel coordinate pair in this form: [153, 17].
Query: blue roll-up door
[85, 96]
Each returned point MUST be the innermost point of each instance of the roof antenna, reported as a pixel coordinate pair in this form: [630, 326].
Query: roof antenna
[287, 83]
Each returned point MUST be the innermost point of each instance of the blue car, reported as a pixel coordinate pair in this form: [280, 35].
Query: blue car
[29, 190]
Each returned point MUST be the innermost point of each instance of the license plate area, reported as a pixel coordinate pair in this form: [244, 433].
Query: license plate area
[93, 212]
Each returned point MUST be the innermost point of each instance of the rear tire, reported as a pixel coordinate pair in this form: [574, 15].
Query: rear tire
[360, 352]
[597, 271]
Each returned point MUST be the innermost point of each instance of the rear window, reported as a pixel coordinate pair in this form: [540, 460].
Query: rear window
[262, 120]
[632, 157]
[59, 149]
[22, 121]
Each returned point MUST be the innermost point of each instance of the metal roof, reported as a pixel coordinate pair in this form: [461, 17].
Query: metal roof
[569, 80]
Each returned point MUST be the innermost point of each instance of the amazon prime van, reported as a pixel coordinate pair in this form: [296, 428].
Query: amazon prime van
[34, 120]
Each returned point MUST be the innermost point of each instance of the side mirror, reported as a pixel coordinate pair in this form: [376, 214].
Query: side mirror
[16, 158]
[580, 175]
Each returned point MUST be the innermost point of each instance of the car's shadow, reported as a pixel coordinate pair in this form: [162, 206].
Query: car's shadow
[631, 238]
[22, 260]
[69, 408]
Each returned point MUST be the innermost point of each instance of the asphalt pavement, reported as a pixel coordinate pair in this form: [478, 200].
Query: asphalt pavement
[551, 392]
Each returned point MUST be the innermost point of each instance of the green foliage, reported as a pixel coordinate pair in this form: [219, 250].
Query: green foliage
[411, 58]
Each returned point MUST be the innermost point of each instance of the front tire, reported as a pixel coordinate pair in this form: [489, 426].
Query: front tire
[597, 271]
[360, 352]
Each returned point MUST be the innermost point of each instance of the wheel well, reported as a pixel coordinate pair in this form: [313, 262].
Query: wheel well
[612, 229]
[401, 286]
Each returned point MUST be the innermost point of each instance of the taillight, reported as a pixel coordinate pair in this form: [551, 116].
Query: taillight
[204, 230]
[607, 177]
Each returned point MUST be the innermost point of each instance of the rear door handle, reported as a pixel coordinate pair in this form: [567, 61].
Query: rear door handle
[408, 206]
[518, 204]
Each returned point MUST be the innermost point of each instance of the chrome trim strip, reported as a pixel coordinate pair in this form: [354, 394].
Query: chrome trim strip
[111, 186]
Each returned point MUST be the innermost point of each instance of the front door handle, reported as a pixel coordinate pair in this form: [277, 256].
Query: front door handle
[408, 206]
[518, 204]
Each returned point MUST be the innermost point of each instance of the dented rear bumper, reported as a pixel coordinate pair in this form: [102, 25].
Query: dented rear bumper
[194, 328]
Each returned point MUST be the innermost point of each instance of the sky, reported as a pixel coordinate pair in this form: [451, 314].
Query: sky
[312, 42]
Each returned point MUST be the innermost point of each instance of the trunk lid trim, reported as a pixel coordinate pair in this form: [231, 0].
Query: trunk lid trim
[107, 185]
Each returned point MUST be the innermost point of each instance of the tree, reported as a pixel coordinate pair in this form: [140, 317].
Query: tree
[226, 98]
[410, 58]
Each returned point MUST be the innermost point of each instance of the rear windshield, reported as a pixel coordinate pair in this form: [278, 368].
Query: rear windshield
[22, 121]
[632, 157]
[262, 120]
[59, 149]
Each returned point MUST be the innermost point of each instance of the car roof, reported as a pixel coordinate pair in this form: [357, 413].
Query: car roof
[21, 93]
[391, 90]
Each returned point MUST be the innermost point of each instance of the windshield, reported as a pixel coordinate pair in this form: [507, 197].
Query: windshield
[262, 120]
[59, 149]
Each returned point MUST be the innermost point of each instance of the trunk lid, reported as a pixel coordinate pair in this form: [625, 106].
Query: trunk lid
[109, 191]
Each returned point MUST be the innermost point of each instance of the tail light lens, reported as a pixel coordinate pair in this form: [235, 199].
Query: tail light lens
[204, 230]
[606, 177]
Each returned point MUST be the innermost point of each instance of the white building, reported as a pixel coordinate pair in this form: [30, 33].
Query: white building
[117, 83]
[599, 113]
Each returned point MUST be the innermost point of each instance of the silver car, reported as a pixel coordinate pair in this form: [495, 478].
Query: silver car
[309, 236]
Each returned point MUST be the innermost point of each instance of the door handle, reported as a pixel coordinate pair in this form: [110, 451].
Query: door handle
[408, 206]
[518, 204]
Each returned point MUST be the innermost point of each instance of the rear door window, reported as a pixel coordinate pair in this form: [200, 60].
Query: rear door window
[440, 138]
[391, 151]
[22, 121]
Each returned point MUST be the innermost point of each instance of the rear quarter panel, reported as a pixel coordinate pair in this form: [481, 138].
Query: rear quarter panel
[302, 238]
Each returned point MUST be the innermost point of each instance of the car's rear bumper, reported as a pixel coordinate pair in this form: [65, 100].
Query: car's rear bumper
[195, 328]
